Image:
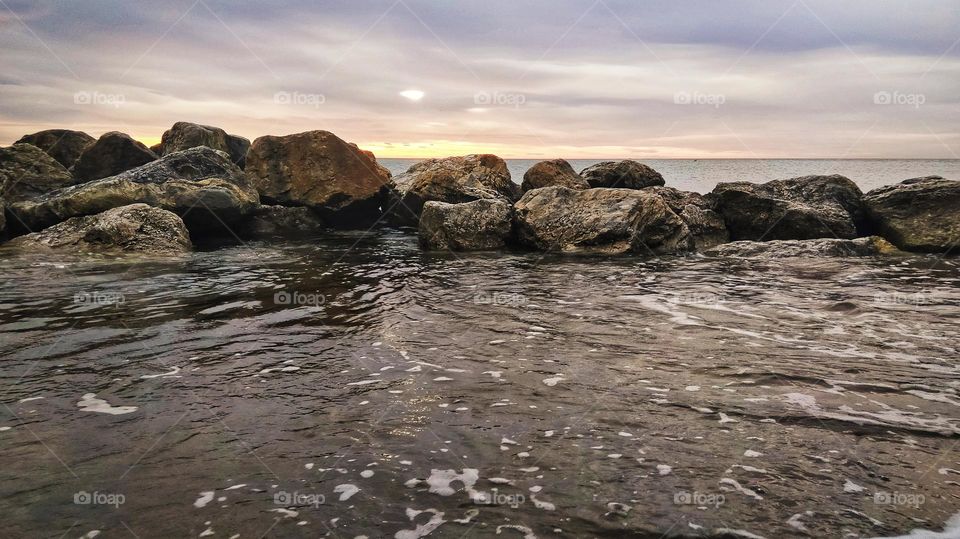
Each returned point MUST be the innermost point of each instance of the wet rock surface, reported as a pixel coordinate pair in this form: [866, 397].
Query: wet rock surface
[624, 174]
[801, 208]
[869, 246]
[319, 170]
[471, 226]
[920, 214]
[599, 221]
[137, 228]
[201, 185]
[279, 222]
[27, 172]
[453, 180]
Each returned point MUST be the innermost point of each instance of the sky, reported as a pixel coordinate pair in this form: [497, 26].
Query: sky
[522, 79]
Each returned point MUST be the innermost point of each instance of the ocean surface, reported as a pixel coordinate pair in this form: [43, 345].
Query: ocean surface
[351, 385]
[702, 175]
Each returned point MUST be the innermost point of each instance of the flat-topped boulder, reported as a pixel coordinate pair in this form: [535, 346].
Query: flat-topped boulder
[27, 172]
[186, 135]
[919, 214]
[859, 247]
[626, 174]
[64, 145]
[599, 221]
[137, 228]
[550, 173]
[471, 226]
[707, 228]
[453, 180]
[201, 185]
[802, 208]
[111, 154]
[266, 222]
[319, 170]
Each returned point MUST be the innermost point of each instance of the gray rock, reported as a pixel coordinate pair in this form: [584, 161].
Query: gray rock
[600, 221]
[869, 246]
[553, 172]
[707, 228]
[453, 180]
[319, 170]
[268, 222]
[64, 145]
[137, 228]
[803, 208]
[471, 226]
[186, 135]
[920, 214]
[27, 172]
[626, 174]
[201, 185]
[111, 154]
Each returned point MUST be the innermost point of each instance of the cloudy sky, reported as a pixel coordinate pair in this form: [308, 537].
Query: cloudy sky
[550, 78]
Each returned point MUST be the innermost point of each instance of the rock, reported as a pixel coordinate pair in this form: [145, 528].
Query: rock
[553, 172]
[3, 217]
[796, 209]
[453, 180]
[186, 135]
[472, 226]
[281, 221]
[601, 221]
[200, 184]
[869, 246]
[920, 214]
[137, 228]
[113, 153]
[64, 145]
[27, 172]
[626, 174]
[319, 170]
[707, 228]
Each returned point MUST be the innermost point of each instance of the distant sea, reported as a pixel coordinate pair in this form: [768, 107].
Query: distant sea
[701, 175]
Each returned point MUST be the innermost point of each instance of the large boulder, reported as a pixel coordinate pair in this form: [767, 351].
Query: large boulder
[27, 172]
[599, 221]
[707, 228]
[267, 222]
[550, 173]
[137, 228]
[200, 184]
[626, 174]
[186, 135]
[319, 170]
[920, 214]
[796, 209]
[111, 154]
[453, 180]
[472, 226]
[869, 246]
[64, 145]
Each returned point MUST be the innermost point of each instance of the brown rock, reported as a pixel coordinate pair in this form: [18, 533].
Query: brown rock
[472, 226]
[113, 153]
[64, 145]
[553, 172]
